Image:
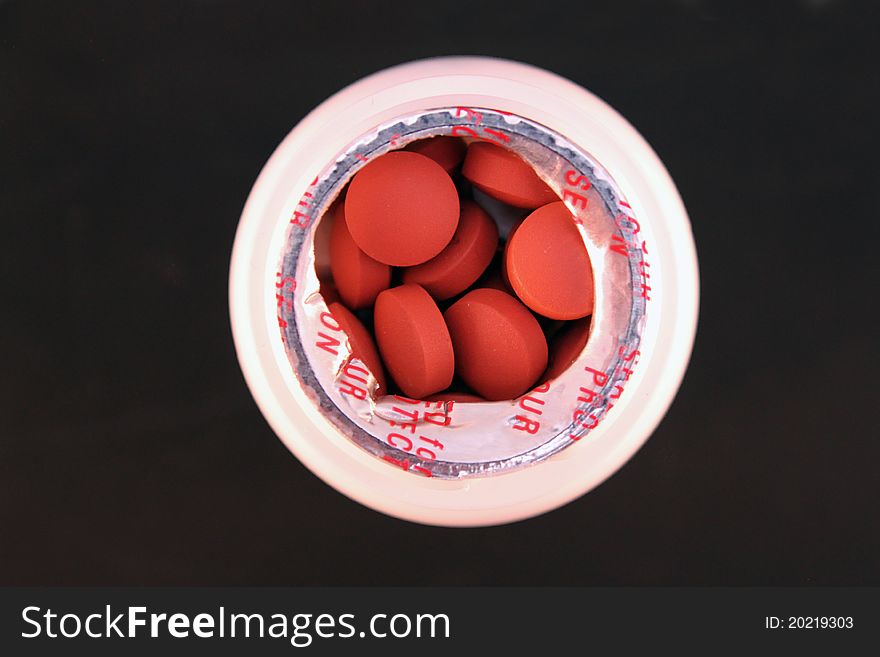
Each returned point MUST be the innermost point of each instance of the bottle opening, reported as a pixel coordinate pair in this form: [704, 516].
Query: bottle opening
[456, 432]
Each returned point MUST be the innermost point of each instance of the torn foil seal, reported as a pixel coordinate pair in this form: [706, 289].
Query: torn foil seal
[456, 440]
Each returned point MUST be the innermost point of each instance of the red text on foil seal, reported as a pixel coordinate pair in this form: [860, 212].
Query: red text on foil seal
[532, 403]
[413, 441]
[353, 380]
[632, 243]
[285, 286]
[435, 413]
[572, 196]
[589, 393]
[301, 216]
[477, 130]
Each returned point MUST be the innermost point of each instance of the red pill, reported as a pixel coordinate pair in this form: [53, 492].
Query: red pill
[413, 340]
[547, 264]
[500, 350]
[358, 277]
[567, 347]
[448, 152]
[504, 175]
[463, 260]
[402, 208]
[360, 343]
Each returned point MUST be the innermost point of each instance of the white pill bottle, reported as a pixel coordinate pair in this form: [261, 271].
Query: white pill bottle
[468, 464]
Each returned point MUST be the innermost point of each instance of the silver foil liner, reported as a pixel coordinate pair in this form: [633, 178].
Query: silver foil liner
[456, 440]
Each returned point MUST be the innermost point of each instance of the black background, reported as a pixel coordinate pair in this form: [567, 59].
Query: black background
[130, 449]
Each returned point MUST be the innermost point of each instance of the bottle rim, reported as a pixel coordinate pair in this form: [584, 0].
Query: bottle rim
[586, 121]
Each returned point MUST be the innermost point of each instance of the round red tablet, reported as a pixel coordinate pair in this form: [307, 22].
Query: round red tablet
[463, 260]
[504, 175]
[402, 208]
[358, 277]
[360, 343]
[448, 152]
[547, 264]
[413, 340]
[567, 346]
[500, 350]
